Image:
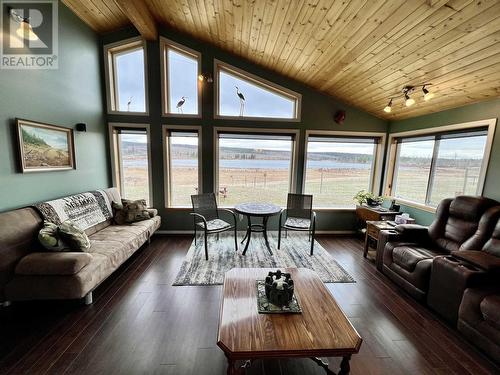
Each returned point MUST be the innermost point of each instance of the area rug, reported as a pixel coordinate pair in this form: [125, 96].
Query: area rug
[294, 252]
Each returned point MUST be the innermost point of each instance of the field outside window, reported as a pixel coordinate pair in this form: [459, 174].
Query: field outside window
[183, 167]
[337, 168]
[132, 163]
[435, 167]
[256, 168]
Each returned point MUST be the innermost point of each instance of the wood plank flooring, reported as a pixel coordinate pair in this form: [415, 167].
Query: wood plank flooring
[140, 324]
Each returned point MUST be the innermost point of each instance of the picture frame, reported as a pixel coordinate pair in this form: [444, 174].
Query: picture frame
[44, 147]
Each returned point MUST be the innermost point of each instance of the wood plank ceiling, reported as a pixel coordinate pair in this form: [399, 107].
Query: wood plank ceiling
[360, 51]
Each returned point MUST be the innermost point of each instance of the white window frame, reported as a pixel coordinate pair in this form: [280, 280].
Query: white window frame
[166, 161]
[260, 82]
[375, 173]
[115, 155]
[392, 155]
[110, 51]
[166, 44]
[295, 133]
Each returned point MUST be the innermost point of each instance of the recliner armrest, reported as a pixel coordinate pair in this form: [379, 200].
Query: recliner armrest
[413, 232]
[481, 259]
[384, 237]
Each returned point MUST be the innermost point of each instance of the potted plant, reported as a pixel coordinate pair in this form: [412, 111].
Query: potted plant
[367, 197]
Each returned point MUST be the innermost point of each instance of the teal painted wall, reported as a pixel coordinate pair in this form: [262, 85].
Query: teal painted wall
[64, 97]
[317, 113]
[473, 112]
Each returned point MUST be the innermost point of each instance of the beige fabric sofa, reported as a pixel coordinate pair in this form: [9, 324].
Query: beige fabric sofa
[27, 272]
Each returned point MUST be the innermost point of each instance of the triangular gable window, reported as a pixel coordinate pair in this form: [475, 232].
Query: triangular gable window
[242, 95]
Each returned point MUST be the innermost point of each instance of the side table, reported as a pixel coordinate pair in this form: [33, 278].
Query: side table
[373, 229]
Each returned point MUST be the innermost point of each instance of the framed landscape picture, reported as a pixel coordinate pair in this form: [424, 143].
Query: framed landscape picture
[44, 147]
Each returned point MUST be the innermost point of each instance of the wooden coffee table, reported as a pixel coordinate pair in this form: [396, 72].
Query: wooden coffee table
[322, 330]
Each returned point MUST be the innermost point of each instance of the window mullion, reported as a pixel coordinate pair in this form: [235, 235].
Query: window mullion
[432, 171]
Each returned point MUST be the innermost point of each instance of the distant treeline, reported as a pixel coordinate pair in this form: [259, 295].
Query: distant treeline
[238, 153]
[32, 139]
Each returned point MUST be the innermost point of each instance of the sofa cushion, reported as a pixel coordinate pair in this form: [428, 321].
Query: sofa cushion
[52, 263]
[119, 242]
[49, 238]
[129, 211]
[480, 259]
[490, 309]
[407, 256]
[76, 238]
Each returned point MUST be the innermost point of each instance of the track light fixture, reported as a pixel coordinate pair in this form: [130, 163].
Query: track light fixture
[388, 107]
[427, 95]
[407, 92]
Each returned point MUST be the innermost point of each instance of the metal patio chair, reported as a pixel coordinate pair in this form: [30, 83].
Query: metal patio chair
[206, 216]
[299, 216]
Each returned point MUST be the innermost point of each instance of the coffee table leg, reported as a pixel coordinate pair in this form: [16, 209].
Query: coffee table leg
[344, 365]
[323, 364]
[249, 234]
[233, 369]
[264, 225]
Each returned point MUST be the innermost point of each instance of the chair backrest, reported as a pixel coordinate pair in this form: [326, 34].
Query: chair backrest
[458, 224]
[205, 205]
[299, 205]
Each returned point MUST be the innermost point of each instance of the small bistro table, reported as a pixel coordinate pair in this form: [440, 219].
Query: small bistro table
[255, 209]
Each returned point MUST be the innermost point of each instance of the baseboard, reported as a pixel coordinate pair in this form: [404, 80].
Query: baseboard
[190, 232]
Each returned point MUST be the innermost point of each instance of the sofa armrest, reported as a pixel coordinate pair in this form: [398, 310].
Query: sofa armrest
[480, 259]
[384, 237]
[64, 263]
[152, 212]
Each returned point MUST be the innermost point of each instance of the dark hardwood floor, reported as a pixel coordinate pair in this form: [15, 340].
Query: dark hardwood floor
[140, 324]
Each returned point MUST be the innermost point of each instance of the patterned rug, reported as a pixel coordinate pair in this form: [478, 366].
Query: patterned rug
[294, 252]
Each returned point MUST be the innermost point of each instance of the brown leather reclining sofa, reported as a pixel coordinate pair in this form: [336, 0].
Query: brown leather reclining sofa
[462, 223]
[27, 272]
[435, 264]
[479, 314]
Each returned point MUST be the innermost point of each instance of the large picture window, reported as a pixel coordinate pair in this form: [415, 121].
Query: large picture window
[255, 167]
[125, 77]
[182, 156]
[429, 167]
[131, 160]
[245, 96]
[339, 166]
[181, 90]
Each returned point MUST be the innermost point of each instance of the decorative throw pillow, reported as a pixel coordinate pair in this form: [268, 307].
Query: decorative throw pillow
[130, 211]
[74, 236]
[49, 238]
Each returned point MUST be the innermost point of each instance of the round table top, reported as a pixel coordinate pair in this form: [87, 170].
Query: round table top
[257, 209]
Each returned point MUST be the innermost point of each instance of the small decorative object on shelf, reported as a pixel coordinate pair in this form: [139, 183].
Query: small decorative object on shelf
[279, 288]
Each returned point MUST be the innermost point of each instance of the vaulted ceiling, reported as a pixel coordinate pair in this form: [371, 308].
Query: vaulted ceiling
[360, 51]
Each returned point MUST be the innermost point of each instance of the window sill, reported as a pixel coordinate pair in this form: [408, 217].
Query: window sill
[179, 208]
[128, 113]
[412, 204]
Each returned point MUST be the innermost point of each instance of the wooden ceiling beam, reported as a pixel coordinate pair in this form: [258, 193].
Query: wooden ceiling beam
[139, 14]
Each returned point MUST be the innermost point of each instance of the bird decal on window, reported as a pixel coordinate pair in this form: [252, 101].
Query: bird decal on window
[129, 103]
[180, 104]
[242, 100]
